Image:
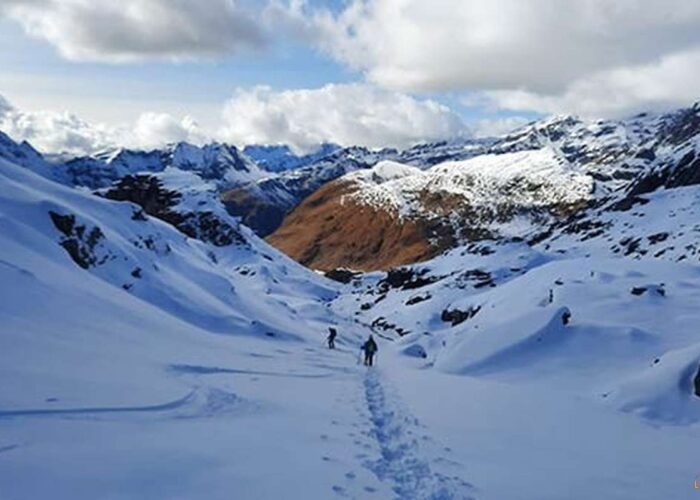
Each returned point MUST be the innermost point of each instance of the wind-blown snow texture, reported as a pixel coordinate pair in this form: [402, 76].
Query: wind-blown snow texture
[151, 346]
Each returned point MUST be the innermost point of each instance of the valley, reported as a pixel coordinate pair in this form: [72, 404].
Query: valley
[533, 295]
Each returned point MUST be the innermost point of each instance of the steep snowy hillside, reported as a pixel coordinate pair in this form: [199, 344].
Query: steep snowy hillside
[560, 175]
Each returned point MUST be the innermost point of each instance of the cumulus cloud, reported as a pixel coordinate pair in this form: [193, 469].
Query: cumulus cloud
[494, 127]
[64, 132]
[346, 114]
[544, 54]
[155, 129]
[135, 30]
[668, 83]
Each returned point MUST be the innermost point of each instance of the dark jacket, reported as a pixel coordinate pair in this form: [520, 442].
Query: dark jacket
[370, 347]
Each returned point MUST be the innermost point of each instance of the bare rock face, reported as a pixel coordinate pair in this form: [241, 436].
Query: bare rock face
[148, 192]
[696, 383]
[80, 241]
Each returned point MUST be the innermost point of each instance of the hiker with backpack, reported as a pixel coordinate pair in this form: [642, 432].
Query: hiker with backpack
[370, 349]
[331, 337]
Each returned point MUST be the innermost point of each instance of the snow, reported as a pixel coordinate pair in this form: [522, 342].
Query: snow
[526, 179]
[205, 374]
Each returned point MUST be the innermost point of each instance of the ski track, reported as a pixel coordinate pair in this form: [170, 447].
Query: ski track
[172, 405]
[213, 370]
[402, 462]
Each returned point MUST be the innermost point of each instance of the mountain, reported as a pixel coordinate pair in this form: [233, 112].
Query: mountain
[263, 204]
[152, 346]
[278, 158]
[521, 186]
[222, 163]
[25, 155]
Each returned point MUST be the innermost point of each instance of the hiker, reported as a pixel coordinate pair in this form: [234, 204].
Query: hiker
[370, 348]
[331, 338]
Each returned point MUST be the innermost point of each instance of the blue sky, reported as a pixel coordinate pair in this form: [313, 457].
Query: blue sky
[36, 77]
[491, 65]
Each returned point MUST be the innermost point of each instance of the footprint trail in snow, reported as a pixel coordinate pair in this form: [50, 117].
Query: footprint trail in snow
[403, 463]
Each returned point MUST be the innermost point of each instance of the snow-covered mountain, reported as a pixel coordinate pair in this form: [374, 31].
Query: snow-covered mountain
[221, 163]
[278, 158]
[263, 204]
[557, 175]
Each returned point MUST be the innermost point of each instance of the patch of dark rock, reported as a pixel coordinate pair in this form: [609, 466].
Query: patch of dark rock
[139, 215]
[657, 238]
[696, 383]
[78, 241]
[641, 290]
[457, 316]
[566, 317]
[206, 226]
[406, 279]
[136, 273]
[63, 223]
[540, 237]
[630, 244]
[416, 299]
[341, 275]
[382, 324]
[628, 203]
[148, 192]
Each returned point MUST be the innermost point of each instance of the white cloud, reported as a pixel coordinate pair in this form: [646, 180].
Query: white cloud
[665, 84]
[156, 129]
[494, 127]
[551, 51]
[135, 30]
[63, 132]
[350, 114]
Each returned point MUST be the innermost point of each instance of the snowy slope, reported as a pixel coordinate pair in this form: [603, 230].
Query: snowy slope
[562, 371]
[524, 180]
[151, 346]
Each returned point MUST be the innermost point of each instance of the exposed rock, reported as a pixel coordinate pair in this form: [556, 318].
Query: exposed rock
[78, 241]
[656, 289]
[406, 279]
[566, 317]
[148, 192]
[416, 299]
[341, 275]
[457, 316]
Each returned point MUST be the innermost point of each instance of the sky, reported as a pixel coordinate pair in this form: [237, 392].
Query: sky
[83, 75]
